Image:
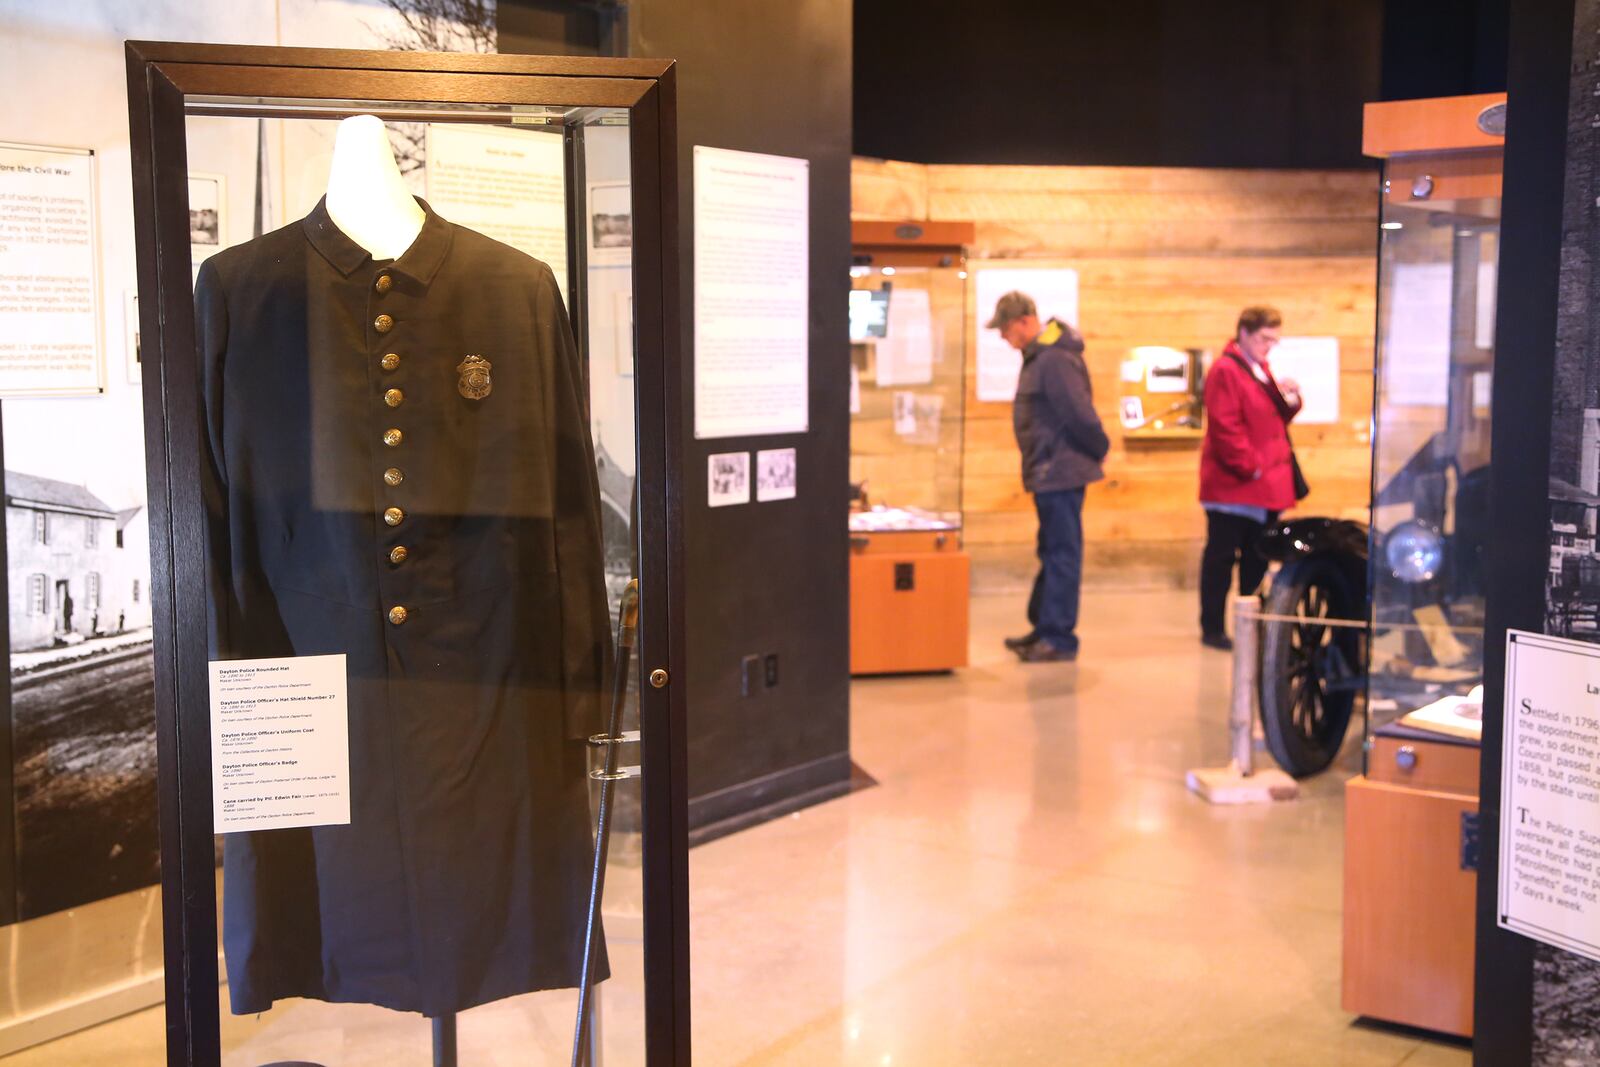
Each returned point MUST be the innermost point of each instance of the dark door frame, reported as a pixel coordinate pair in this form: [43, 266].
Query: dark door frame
[162, 77]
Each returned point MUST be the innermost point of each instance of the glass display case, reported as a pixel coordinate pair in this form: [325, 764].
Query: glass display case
[405, 324]
[1162, 394]
[908, 331]
[1439, 245]
[1410, 817]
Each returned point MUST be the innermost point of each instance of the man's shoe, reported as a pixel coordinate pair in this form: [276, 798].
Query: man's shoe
[1044, 652]
[1217, 641]
[1017, 644]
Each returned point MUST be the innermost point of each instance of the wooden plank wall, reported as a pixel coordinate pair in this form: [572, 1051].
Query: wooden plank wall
[1164, 256]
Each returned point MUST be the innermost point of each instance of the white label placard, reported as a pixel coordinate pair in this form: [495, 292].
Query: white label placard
[1055, 294]
[905, 355]
[1416, 341]
[751, 293]
[508, 184]
[1312, 363]
[727, 479]
[280, 743]
[775, 474]
[50, 342]
[1550, 792]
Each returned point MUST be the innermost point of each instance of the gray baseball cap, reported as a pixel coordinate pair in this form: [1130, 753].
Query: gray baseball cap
[1009, 308]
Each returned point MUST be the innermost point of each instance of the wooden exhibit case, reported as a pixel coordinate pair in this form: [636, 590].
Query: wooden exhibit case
[909, 575]
[1410, 879]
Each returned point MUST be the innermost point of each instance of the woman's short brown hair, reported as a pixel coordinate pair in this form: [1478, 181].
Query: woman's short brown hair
[1255, 319]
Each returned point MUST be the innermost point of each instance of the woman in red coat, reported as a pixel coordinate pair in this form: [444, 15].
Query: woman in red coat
[1246, 465]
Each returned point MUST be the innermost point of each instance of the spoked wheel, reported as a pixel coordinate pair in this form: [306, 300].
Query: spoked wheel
[1310, 671]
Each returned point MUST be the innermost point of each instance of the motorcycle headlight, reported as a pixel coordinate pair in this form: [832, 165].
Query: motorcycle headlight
[1414, 551]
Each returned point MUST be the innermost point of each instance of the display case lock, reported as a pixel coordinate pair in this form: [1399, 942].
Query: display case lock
[659, 678]
[1406, 757]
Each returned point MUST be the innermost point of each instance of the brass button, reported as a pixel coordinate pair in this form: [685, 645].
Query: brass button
[393, 437]
[393, 476]
[383, 323]
[390, 361]
[397, 615]
[384, 283]
[393, 516]
[393, 397]
[398, 554]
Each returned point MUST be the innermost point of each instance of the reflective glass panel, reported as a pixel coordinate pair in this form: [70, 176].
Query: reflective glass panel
[416, 346]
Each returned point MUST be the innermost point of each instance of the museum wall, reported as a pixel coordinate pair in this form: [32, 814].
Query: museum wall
[767, 578]
[1164, 256]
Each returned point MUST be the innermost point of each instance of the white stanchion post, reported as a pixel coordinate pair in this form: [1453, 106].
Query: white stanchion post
[1239, 782]
[1246, 664]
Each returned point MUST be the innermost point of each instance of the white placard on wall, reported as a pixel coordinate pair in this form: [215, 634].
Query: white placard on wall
[1054, 292]
[751, 293]
[508, 184]
[1313, 364]
[50, 337]
[1549, 886]
[905, 355]
[1416, 340]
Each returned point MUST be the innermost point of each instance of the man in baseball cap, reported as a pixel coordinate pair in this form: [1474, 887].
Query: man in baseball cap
[1062, 443]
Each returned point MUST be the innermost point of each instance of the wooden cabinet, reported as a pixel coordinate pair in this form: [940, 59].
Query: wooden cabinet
[908, 602]
[1409, 901]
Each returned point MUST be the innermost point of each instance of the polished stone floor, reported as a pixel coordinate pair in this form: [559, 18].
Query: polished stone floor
[1028, 883]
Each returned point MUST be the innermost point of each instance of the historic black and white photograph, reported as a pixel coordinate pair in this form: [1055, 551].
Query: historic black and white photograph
[1566, 987]
[82, 680]
[610, 217]
[728, 479]
[775, 474]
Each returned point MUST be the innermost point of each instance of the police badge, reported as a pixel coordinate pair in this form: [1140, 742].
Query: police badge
[475, 382]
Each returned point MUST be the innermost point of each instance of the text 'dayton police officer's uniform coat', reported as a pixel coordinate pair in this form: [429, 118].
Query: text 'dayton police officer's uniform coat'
[375, 492]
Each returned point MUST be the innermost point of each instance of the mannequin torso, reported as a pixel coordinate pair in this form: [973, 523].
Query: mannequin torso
[367, 198]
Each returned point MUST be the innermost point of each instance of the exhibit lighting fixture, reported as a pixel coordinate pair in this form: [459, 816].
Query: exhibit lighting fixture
[1393, 225]
[888, 272]
[962, 274]
[860, 272]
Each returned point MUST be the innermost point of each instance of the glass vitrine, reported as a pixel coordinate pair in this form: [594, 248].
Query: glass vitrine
[406, 327]
[908, 332]
[1439, 250]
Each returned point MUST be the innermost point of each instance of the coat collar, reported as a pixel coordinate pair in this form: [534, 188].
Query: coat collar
[421, 261]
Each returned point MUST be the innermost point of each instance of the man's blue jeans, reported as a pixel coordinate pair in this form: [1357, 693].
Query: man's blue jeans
[1053, 607]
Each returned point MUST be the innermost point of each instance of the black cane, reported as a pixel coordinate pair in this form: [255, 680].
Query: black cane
[627, 628]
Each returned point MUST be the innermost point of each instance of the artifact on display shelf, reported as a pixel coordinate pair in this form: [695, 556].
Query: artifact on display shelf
[50, 333]
[431, 513]
[751, 293]
[881, 518]
[1161, 391]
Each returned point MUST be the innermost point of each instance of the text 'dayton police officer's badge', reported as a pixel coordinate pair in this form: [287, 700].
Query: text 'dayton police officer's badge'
[475, 382]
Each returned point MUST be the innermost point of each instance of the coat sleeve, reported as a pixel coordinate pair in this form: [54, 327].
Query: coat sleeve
[211, 340]
[1066, 386]
[1226, 432]
[586, 653]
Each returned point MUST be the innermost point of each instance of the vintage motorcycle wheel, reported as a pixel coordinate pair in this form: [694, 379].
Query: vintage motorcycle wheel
[1309, 670]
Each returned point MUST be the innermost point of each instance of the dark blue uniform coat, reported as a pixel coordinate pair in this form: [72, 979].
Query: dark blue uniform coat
[342, 426]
